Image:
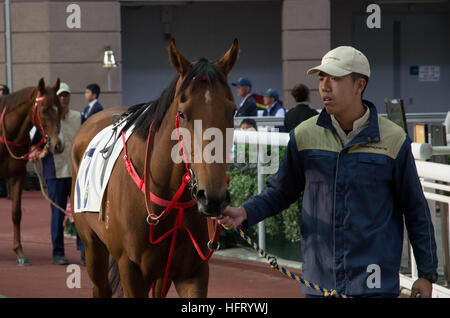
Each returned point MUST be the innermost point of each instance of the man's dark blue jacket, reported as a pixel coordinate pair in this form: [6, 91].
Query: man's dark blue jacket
[249, 108]
[95, 109]
[355, 198]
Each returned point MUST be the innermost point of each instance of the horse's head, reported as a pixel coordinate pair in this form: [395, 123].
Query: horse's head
[205, 105]
[48, 113]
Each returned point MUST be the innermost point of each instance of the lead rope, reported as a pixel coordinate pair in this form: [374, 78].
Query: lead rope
[273, 263]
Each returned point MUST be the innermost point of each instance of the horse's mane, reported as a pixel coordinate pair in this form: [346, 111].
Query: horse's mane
[202, 71]
[16, 98]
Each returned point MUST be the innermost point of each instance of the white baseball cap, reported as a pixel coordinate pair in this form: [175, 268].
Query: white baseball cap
[342, 61]
[63, 87]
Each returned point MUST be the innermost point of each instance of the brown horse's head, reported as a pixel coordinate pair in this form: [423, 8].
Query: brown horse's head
[205, 105]
[50, 114]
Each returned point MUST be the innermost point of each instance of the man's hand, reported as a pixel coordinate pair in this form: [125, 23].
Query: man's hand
[232, 217]
[422, 286]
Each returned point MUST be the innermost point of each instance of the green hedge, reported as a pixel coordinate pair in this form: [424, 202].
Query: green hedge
[243, 185]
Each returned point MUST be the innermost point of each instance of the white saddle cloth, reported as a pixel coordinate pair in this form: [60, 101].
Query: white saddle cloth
[90, 185]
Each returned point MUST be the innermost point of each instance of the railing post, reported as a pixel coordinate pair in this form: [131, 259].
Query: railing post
[445, 229]
[261, 225]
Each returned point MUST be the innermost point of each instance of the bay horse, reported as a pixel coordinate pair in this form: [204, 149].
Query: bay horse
[21, 110]
[200, 91]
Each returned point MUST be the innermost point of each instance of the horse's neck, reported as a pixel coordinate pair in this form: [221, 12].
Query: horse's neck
[166, 176]
[18, 121]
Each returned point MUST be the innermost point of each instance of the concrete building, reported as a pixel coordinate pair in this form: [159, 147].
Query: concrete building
[280, 40]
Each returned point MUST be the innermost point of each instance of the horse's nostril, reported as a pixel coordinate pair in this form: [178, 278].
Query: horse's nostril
[201, 195]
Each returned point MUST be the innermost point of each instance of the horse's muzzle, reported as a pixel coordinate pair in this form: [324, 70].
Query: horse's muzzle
[59, 147]
[211, 206]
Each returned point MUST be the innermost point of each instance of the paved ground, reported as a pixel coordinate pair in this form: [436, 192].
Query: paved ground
[229, 277]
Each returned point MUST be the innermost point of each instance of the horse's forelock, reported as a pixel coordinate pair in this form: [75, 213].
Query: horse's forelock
[203, 71]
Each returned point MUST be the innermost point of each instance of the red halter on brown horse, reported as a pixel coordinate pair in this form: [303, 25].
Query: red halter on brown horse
[32, 106]
[145, 255]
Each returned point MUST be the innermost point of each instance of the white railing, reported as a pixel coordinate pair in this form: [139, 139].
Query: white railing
[411, 118]
[435, 178]
[432, 175]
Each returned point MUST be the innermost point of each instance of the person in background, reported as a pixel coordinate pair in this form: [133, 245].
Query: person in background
[248, 105]
[248, 124]
[300, 112]
[57, 171]
[273, 107]
[4, 193]
[91, 94]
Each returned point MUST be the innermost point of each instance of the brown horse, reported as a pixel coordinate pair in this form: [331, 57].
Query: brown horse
[199, 92]
[20, 111]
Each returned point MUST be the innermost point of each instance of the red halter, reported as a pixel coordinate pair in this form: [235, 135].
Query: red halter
[143, 184]
[41, 126]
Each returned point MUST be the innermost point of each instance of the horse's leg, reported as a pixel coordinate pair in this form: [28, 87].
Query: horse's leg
[133, 282]
[195, 286]
[15, 185]
[159, 285]
[97, 257]
[97, 261]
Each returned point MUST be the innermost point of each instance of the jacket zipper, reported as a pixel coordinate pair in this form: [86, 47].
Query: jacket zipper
[334, 220]
[334, 209]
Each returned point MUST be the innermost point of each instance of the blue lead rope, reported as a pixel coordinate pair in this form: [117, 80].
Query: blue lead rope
[273, 263]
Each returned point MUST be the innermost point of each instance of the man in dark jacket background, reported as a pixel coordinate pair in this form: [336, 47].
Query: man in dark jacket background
[248, 105]
[300, 112]
[91, 93]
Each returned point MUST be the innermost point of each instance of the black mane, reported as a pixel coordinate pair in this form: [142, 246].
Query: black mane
[202, 71]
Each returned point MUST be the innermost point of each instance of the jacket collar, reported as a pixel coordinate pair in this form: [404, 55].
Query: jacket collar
[371, 134]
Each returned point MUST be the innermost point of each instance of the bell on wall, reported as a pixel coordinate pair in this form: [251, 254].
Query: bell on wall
[109, 62]
[108, 58]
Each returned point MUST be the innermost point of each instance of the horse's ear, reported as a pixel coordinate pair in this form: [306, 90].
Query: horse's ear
[56, 85]
[179, 62]
[41, 86]
[230, 58]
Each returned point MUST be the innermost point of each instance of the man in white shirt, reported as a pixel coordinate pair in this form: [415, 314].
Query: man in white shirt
[57, 171]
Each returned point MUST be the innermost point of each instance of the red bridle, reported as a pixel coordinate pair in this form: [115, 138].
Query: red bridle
[187, 180]
[41, 126]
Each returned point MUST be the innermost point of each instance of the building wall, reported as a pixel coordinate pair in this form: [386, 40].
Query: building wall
[44, 46]
[279, 41]
[2, 44]
[421, 39]
[305, 39]
[201, 29]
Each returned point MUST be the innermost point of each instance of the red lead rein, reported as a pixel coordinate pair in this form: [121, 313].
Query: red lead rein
[181, 206]
[10, 143]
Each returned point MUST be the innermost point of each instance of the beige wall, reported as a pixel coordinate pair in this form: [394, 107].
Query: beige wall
[2, 44]
[43, 46]
[305, 39]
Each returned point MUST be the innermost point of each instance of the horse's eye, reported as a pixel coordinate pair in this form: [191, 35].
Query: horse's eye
[180, 113]
[45, 111]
